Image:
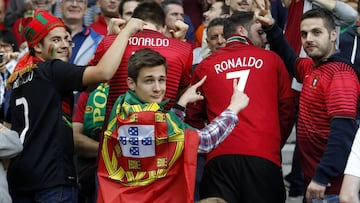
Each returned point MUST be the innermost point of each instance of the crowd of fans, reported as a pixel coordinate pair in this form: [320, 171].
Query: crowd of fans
[297, 61]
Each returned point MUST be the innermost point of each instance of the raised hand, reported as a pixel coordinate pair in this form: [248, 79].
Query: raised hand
[191, 95]
[180, 30]
[239, 100]
[263, 13]
[134, 25]
[115, 25]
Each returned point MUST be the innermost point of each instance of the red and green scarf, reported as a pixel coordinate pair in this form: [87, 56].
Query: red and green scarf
[26, 64]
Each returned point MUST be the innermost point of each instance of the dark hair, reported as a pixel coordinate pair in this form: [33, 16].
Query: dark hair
[215, 22]
[8, 37]
[225, 9]
[121, 9]
[166, 3]
[150, 12]
[324, 14]
[144, 58]
[358, 8]
[238, 18]
[32, 50]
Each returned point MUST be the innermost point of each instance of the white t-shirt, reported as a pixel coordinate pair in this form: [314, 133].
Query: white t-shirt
[353, 163]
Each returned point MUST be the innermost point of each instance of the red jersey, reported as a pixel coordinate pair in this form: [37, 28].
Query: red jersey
[178, 55]
[100, 26]
[265, 123]
[292, 30]
[329, 90]
[80, 108]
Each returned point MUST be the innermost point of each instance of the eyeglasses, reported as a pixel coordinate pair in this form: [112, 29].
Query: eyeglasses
[72, 1]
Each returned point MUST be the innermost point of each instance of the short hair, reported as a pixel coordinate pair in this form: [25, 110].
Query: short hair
[322, 13]
[238, 18]
[225, 9]
[166, 3]
[144, 58]
[358, 8]
[32, 50]
[207, 6]
[121, 10]
[8, 37]
[215, 22]
[150, 12]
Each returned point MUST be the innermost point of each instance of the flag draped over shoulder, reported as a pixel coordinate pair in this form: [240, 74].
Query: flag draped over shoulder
[145, 156]
[26, 64]
[94, 114]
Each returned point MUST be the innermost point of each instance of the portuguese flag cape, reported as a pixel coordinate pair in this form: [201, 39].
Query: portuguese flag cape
[144, 155]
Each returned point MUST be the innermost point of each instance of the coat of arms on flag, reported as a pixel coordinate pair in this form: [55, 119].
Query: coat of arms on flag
[137, 141]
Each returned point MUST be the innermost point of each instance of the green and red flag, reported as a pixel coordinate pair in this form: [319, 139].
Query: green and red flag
[147, 155]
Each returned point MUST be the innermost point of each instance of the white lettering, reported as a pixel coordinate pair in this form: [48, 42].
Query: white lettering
[238, 63]
[23, 80]
[148, 41]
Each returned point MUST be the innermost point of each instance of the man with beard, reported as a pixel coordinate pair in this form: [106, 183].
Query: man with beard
[328, 102]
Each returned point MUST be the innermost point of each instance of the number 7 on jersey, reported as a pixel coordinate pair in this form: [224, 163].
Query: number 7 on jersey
[242, 76]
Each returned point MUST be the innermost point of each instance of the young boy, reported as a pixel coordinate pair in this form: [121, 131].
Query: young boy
[149, 154]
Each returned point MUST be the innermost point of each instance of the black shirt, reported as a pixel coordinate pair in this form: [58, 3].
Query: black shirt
[36, 114]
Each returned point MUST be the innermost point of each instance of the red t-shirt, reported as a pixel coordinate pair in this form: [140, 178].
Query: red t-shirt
[267, 84]
[100, 26]
[292, 31]
[329, 90]
[80, 108]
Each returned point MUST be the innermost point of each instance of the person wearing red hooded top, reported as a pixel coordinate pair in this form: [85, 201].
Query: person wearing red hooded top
[248, 162]
[177, 53]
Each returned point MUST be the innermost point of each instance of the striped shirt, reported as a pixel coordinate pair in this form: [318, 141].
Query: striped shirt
[215, 132]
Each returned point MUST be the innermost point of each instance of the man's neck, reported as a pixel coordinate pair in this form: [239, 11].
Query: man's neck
[325, 58]
[151, 26]
[74, 26]
[167, 33]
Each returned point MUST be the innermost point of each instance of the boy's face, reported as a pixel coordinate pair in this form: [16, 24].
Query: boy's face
[150, 85]
[56, 45]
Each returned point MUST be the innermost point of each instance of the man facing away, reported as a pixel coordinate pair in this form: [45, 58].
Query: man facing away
[177, 53]
[247, 163]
